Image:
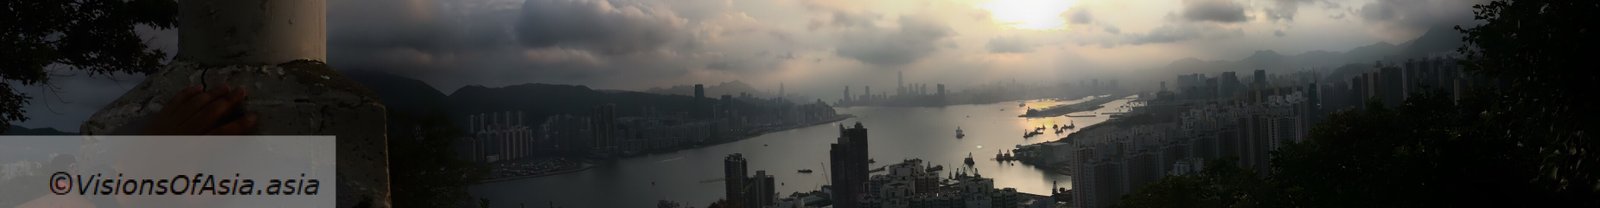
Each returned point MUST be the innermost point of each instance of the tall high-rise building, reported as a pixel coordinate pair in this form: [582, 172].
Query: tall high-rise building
[869, 93]
[1260, 79]
[760, 191]
[847, 93]
[603, 126]
[900, 82]
[733, 176]
[726, 105]
[849, 165]
[1228, 84]
[1391, 86]
[699, 91]
[700, 106]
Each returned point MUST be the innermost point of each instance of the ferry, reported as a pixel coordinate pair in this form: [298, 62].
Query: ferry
[1035, 132]
[960, 133]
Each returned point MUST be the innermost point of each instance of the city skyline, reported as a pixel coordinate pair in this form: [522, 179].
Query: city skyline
[768, 103]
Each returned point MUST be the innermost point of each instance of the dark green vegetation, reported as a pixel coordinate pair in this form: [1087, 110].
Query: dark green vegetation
[424, 171]
[1526, 141]
[40, 38]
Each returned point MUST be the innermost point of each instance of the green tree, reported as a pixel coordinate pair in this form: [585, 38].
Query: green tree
[1541, 53]
[93, 36]
[425, 170]
[1222, 184]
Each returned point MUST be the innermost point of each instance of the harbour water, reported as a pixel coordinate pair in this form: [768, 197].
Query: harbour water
[693, 176]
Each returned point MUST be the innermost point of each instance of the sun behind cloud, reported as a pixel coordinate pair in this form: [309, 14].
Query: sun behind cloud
[1029, 14]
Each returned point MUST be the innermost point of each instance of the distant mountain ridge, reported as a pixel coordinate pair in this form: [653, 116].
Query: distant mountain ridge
[536, 101]
[1436, 41]
[400, 93]
[726, 88]
[19, 130]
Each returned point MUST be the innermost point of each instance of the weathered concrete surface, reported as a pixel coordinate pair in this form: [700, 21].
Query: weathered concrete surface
[253, 32]
[295, 98]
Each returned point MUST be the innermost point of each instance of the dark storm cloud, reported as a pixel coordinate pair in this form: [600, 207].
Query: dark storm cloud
[854, 19]
[1416, 15]
[1008, 45]
[598, 25]
[452, 43]
[835, 16]
[1081, 16]
[887, 47]
[1378, 11]
[1284, 10]
[1225, 11]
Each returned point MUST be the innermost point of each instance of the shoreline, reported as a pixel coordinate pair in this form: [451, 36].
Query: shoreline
[589, 164]
[1061, 110]
[1065, 168]
[837, 118]
[584, 166]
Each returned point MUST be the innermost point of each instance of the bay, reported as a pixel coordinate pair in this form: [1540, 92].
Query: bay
[693, 176]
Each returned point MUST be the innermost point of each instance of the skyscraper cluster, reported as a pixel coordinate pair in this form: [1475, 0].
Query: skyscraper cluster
[498, 136]
[1215, 118]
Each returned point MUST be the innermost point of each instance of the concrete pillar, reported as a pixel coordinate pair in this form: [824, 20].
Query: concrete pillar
[274, 49]
[252, 31]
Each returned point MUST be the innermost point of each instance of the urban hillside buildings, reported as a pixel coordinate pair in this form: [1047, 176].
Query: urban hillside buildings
[1208, 118]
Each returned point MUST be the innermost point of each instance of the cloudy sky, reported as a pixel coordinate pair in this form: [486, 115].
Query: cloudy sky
[637, 44]
[813, 46]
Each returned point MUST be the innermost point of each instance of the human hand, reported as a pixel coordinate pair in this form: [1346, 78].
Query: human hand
[195, 111]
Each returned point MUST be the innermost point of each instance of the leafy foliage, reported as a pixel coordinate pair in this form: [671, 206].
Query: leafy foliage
[95, 36]
[1541, 50]
[1222, 184]
[425, 171]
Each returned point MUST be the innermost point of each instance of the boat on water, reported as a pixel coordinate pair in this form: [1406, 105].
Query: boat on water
[969, 159]
[960, 133]
[1090, 115]
[1022, 104]
[805, 171]
[1070, 125]
[1029, 134]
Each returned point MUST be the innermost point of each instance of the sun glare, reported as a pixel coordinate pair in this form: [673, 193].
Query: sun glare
[1029, 14]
